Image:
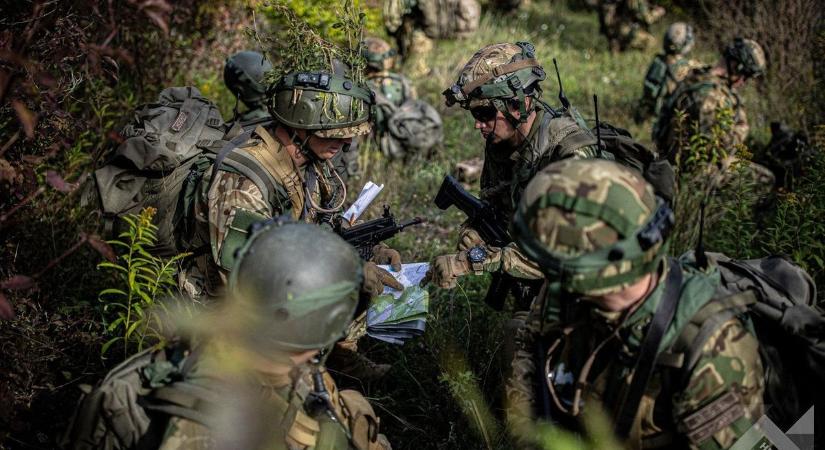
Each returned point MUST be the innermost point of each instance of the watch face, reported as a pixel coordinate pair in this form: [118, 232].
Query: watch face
[477, 255]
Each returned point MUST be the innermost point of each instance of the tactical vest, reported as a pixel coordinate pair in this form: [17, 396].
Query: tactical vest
[286, 194]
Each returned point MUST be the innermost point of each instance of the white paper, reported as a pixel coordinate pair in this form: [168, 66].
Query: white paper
[363, 201]
[410, 275]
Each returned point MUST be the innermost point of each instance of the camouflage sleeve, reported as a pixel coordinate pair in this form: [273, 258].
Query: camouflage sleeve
[229, 194]
[409, 90]
[183, 434]
[716, 101]
[510, 260]
[723, 397]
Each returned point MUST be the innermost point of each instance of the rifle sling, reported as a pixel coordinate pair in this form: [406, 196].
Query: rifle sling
[626, 413]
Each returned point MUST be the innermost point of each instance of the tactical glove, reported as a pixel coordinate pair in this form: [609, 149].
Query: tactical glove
[383, 254]
[469, 238]
[446, 269]
[375, 278]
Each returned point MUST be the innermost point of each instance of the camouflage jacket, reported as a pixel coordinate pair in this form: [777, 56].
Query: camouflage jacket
[227, 206]
[728, 376]
[701, 96]
[506, 173]
[660, 84]
[277, 400]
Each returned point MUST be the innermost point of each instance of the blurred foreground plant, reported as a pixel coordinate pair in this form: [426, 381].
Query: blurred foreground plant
[143, 280]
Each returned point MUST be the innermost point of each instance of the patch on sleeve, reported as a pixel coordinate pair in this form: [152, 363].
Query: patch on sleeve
[713, 417]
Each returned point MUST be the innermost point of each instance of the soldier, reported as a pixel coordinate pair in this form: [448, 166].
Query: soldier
[288, 171]
[243, 75]
[267, 386]
[389, 87]
[704, 94]
[500, 87]
[666, 70]
[285, 170]
[614, 304]
[625, 23]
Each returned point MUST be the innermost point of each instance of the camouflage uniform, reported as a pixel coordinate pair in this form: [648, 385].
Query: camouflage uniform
[231, 194]
[281, 399]
[257, 386]
[667, 70]
[589, 354]
[703, 95]
[554, 135]
[625, 23]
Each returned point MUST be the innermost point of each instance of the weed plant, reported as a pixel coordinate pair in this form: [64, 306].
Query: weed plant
[129, 310]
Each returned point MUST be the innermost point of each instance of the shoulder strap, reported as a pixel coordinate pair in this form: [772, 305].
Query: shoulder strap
[649, 350]
[232, 157]
[688, 345]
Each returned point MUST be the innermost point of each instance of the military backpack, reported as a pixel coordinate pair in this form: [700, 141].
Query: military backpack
[413, 128]
[778, 299]
[131, 406]
[167, 148]
[629, 152]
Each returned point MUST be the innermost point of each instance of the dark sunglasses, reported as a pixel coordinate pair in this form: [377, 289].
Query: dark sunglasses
[484, 113]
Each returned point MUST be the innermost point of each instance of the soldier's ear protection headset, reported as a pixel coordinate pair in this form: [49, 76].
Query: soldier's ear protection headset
[740, 59]
[515, 80]
[377, 58]
[643, 247]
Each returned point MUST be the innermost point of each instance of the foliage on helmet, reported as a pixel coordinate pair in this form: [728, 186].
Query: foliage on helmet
[498, 71]
[594, 226]
[299, 284]
[746, 57]
[378, 53]
[331, 105]
[308, 88]
[679, 38]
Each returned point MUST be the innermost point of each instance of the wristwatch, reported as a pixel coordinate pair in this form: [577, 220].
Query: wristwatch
[477, 255]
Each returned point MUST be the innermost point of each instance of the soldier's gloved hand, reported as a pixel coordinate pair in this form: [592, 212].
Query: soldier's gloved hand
[384, 254]
[446, 269]
[375, 278]
[469, 238]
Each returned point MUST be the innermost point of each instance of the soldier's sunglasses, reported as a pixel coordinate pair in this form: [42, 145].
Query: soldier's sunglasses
[484, 113]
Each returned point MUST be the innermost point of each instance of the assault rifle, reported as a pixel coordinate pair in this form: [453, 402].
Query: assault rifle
[488, 223]
[366, 235]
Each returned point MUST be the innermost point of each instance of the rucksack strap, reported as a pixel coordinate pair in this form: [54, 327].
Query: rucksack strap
[229, 159]
[626, 414]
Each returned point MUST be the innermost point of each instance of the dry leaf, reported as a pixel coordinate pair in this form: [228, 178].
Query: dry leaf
[101, 246]
[8, 173]
[6, 310]
[27, 118]
[18, 282]
[56, 181]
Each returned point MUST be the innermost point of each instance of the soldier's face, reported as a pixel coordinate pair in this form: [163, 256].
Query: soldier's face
[326, 148]
[492, 124]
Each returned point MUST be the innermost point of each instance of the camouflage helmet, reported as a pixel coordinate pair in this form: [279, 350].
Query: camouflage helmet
[593, 226]
[330, 105]
[745, 57]
[243, 75]
[497, 72]
[678, 38]
[378, 53]
[300, 283]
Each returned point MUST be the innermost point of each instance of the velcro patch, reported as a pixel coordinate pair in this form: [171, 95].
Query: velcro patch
[179, 122]
[715, 416]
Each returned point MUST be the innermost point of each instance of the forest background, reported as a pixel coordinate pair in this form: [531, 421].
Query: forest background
[72, 72]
